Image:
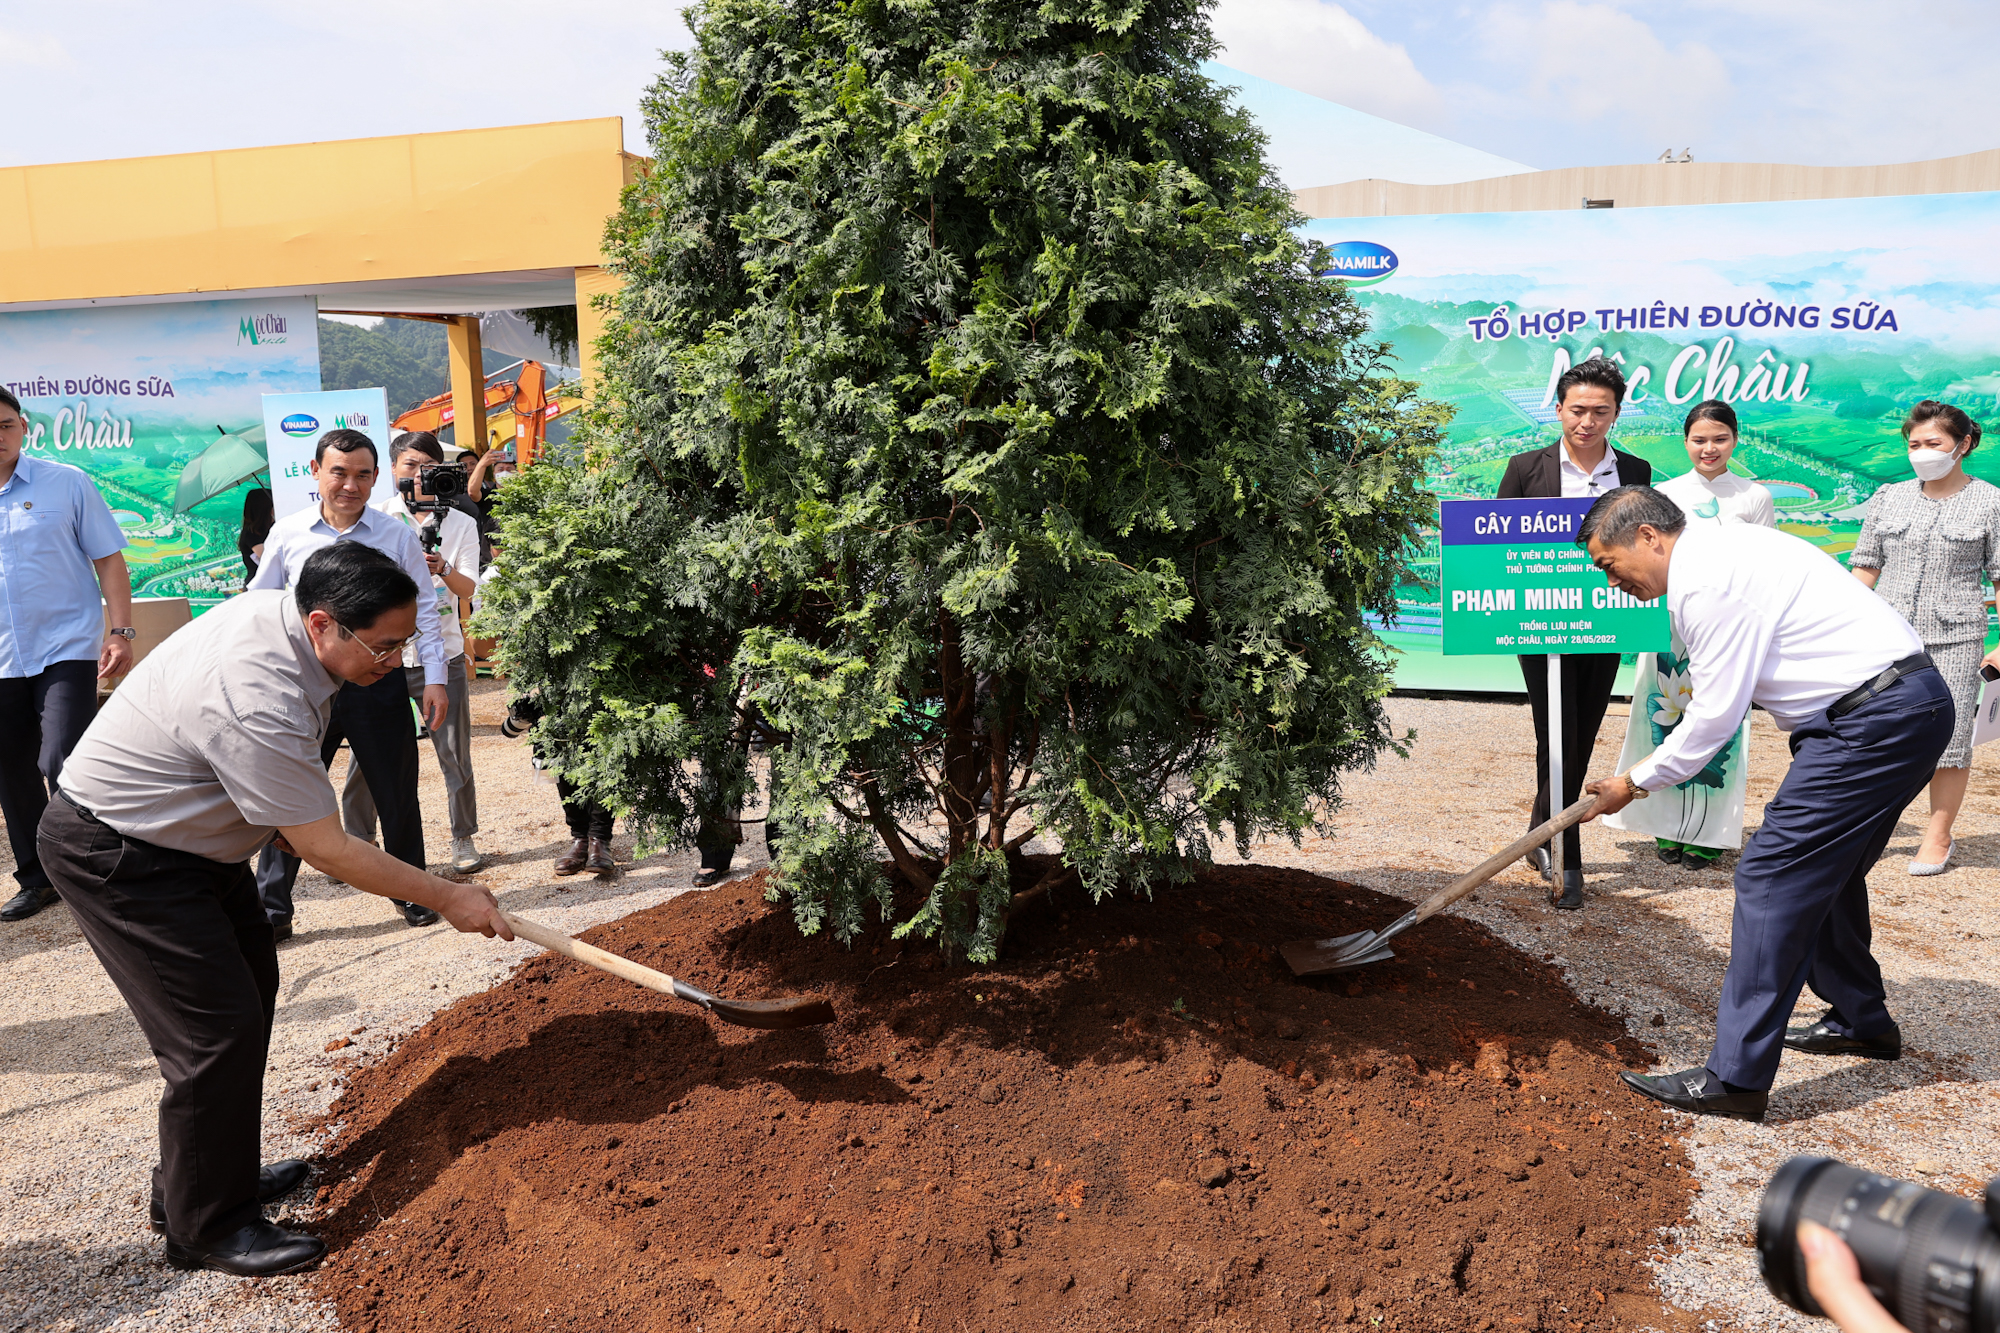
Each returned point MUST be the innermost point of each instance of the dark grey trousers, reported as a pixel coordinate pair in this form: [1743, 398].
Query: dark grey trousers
[186, 943]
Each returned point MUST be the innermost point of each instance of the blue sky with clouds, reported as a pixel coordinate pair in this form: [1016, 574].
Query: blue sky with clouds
[1546, 82]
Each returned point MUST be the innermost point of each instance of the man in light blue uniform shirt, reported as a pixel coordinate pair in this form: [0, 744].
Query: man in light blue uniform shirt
[374, 719]
[54, 528]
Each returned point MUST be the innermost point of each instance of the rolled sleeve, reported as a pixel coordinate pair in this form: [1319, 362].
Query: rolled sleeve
[1726, 641]
[1867, 552]
[270, 770]
[96, 531]
[461, 545]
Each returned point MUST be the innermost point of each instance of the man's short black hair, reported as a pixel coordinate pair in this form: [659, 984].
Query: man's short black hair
[9, 400]
[417, 441]
[1615, 519]
[1604, 374]
[354, 584]
[346, 442]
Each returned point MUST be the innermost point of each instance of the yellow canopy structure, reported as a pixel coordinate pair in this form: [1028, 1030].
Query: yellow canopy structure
[446, 225]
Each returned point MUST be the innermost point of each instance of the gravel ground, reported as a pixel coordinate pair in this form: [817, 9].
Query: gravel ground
[1653, 941]
[78, 1086]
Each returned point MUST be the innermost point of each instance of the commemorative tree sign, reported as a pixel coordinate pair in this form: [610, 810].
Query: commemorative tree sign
[977, 426]
[1515, 581]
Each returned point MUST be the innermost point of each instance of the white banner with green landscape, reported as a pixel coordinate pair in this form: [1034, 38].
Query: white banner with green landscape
[1820, 321]
[163, 406]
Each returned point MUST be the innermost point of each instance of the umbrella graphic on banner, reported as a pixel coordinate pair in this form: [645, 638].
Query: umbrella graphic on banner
[223, 466]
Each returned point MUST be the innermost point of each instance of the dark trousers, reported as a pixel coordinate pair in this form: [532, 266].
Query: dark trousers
[375, 722]
[717, 840]
[42, 718]
[1802, 882]
[587, 819]
[186, 943]
[1587, 679]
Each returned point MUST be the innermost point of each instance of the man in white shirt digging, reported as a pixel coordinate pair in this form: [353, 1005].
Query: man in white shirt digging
[1769, 618]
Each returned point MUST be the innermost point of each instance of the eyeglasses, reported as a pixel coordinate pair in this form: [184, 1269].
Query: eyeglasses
[380, 657]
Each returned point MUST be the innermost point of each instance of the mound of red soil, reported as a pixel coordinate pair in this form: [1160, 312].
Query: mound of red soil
[1138, 1119]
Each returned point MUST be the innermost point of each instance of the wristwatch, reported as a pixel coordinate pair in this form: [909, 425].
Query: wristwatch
[124, 632]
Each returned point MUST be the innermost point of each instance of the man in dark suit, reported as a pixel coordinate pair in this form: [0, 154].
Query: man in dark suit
[1588, 396]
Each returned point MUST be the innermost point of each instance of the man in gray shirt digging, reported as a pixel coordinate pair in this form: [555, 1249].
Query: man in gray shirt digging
[209, 750]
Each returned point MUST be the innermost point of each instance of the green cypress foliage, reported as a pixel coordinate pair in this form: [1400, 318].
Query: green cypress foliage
[973, 411]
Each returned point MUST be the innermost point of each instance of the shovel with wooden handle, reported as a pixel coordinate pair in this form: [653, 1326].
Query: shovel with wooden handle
[1310, 958]
[799, 1012]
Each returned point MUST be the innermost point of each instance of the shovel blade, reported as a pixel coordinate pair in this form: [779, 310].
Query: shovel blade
[1312, 958]
[805, 1011]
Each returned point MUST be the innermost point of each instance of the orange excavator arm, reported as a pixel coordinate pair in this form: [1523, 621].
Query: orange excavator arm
[531, 417]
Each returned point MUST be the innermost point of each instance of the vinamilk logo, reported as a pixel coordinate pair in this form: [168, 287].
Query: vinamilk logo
[260, 329]
[299, 423]
[1359, 263]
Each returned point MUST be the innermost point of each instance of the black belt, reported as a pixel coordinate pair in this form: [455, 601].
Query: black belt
[1894, 672]
[78, 806]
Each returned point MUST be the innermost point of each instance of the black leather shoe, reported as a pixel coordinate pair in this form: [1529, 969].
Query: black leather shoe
[258, 1250]
[273, 1182]
[599, 861]
[26, 903]
[1539, 859]
[1571, 899]
[282, 928]
[1819, 1039]
[1698, 1092]
[1671, 855]
[415, 915]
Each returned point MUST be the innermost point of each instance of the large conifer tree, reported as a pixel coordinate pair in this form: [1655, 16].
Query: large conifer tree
[973, 413]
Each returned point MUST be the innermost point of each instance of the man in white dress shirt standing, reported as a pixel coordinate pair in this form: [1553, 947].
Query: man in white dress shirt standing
[1769, 618]
[373, 719]
[453, 554]
[1583, 463]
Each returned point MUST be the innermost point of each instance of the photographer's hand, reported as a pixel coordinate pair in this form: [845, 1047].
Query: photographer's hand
[1834, 1279]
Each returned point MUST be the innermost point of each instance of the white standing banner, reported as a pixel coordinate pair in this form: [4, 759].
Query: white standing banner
[293, 424]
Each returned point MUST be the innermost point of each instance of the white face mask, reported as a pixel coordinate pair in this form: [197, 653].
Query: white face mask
[1931, 464]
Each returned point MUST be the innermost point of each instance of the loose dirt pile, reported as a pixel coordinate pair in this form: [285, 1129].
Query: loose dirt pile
[1138, 1119]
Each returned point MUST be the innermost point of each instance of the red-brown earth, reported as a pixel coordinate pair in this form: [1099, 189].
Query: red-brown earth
[1137, 1119]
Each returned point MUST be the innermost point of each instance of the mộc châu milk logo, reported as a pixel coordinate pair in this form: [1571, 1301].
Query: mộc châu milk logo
[299, 423]
[260, 329]
[351, 421]
[1359, 263]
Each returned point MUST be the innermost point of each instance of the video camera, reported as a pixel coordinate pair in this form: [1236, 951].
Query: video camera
[1931, 1258]
[444, 483]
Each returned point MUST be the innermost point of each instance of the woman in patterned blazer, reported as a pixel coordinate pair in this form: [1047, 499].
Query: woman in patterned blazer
[1924, 546]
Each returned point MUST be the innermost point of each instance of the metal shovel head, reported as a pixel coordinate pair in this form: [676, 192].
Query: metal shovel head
[806, 1011]
[1312, 958]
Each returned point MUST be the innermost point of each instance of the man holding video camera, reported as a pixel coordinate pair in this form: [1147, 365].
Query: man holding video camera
[427, 498]
[373, 718]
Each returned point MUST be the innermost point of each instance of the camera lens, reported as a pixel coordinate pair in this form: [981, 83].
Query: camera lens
[1933, 1259]
[513, 727]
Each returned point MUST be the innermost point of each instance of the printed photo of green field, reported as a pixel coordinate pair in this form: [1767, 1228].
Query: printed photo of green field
[1821, 322]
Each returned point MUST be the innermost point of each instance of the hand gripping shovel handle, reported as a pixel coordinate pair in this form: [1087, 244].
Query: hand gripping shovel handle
[808, 1011]
[1315, 957]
